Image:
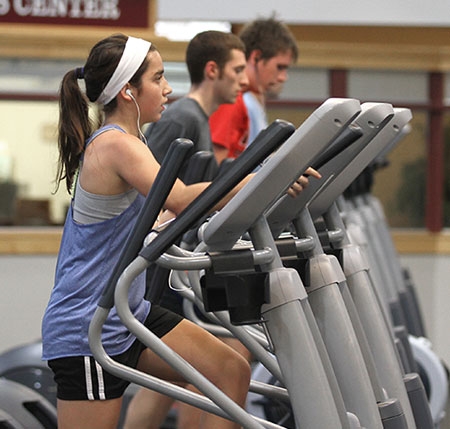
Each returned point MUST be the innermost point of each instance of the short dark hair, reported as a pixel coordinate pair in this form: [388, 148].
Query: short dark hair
[207, 46]
[268, 36]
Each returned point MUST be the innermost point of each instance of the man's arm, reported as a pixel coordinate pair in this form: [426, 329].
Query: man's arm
[220, 152]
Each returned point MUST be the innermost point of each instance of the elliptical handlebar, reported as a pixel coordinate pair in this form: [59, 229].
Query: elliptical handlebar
[265, 143]
[344, 140]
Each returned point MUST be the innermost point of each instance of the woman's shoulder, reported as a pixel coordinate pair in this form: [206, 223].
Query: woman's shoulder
[106, 136]
[116, 144]
[115, 161]
[103, 129]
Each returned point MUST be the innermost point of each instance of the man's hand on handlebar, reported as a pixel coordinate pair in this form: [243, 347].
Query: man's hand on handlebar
[302, 182]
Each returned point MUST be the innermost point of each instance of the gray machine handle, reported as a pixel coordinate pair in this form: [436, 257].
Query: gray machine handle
[376, 121]
[266, 142]
[315, 135]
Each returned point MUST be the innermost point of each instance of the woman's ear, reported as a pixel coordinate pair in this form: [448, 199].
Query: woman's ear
[127, 93]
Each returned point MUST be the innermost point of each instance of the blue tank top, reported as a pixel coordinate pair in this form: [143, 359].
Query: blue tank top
[87, 256]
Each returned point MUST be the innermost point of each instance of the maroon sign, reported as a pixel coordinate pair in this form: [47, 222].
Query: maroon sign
[106, 13]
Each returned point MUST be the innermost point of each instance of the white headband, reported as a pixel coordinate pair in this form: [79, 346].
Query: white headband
[133, 56]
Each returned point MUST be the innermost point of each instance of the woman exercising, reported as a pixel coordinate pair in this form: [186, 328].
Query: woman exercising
[109, 171]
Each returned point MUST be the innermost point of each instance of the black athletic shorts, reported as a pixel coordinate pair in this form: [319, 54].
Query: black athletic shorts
[82, 378]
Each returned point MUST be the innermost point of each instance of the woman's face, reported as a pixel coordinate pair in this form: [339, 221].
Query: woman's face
[152, 95]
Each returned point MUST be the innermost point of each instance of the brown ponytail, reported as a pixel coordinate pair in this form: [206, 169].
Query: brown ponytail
[73, 129]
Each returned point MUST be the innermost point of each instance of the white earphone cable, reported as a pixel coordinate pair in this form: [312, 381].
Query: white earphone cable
[141, 134]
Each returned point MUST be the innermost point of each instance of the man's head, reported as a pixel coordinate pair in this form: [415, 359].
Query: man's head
[270, 49]
[218, 59]
[216, 46]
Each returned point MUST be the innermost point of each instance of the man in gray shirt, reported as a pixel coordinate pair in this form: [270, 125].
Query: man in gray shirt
[216, 64]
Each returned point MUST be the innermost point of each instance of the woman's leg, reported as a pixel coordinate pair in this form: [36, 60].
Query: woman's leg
[147, 410]
[188, 416]
[223, 366]
[88, 414]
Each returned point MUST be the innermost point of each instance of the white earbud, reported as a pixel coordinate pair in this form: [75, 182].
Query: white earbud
[129, 93]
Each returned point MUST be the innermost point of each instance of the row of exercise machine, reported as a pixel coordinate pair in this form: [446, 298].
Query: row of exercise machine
[312, 285]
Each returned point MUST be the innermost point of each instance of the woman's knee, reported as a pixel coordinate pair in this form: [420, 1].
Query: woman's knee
[234, 369]
[216, 360]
